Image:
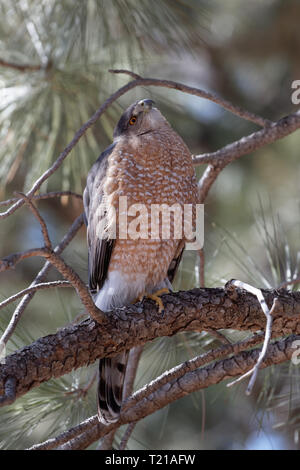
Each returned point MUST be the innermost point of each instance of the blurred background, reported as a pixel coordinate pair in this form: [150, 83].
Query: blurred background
[247, 52]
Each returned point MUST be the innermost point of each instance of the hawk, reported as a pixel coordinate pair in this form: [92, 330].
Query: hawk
[148, 164]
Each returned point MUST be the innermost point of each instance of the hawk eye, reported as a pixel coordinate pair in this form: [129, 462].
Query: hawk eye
[132, 120]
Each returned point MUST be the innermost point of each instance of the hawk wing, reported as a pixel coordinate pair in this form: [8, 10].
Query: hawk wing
[99, 249]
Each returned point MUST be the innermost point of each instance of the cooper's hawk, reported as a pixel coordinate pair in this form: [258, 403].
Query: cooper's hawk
[149, 164]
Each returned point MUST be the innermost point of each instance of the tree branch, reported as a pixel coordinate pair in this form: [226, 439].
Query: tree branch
[39, 218]
[20, 67]
[28, 290]
[139, 407]
[77, 224]
[221, 158]
[10, 261]
[68, 273]
[176, 372]
[245, 145]
[138, 81]
[38, 197]
[78, 345]
[197, 92]
[268, 329]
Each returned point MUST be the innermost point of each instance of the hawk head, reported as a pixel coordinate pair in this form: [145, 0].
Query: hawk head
[140, 118]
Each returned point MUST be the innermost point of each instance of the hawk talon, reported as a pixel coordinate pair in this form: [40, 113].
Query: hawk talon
[156, 297]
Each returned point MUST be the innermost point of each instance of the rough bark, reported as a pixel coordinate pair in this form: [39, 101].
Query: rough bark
[198, 309]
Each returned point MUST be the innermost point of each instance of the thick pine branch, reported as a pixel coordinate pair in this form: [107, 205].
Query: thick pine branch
[198, 310]
[138, 406]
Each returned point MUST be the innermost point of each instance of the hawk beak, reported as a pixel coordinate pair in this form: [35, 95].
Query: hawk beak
[146, 104]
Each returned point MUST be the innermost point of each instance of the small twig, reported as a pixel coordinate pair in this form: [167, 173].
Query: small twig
[201, 267]
[285, 284]
[63, 267]
[137, 81]
[54, 167]
[43, 285]
[268, 331]
[78, 284]
[207, 180]
[106, 442]
[251, 142]
[39, 278]
[133, 362]
[9, 392]
[39, 218]
[197, 92]
[11, 260]
[221, 158]
[82, 391]
[126, 72]
[55, 442]
[127, 435]
[38, 197]
[218, 335]
[21, 67]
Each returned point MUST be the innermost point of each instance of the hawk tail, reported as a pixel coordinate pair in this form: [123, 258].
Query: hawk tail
[112, 372]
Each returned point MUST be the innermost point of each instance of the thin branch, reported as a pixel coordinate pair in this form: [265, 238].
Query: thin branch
[207, 180]
[221, 158]
[105, 443]
[63, 267]
[38, 197]
[138, 81]
[270, 133]
[82, 391]
[250, 143]
[268, 330]
[127, 72]
[77, 224]
[133, 362]
[127, 435]
[90, 430]
[66, 436]
[159, 382]
[39, 218]
[21, 67]
[10, 261]
[200, 93]
[201, 267]
[81, 289]
[194, 363]
[292, 282]
[43, 285]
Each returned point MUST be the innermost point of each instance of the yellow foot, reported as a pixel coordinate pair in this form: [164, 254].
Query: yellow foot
[156, 297]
